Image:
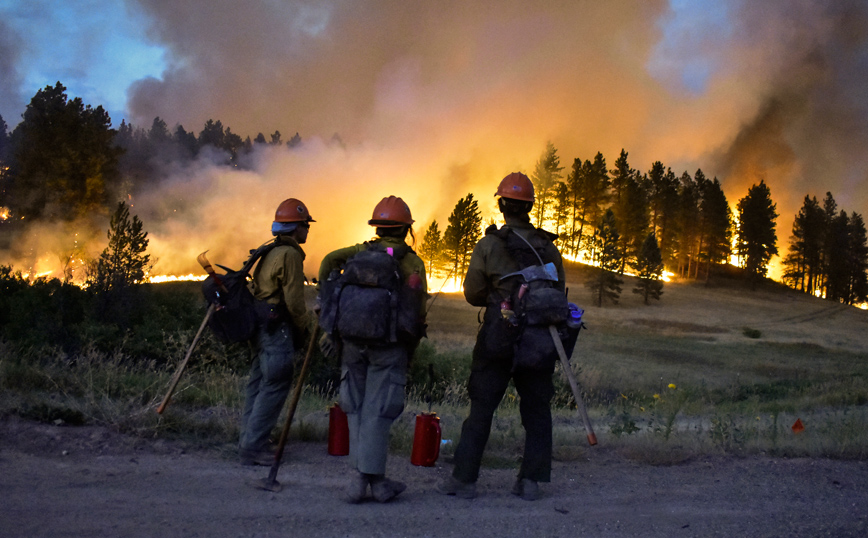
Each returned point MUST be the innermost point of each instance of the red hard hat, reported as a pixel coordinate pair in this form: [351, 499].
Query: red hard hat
[516, 186]
[391, 212]
[292, 210]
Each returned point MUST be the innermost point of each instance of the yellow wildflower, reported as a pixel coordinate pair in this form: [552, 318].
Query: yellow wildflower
[671, 385]
[656, 396]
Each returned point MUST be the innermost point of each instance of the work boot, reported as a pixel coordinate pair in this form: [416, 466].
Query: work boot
[526, 488]
[357, 488]
[452, 486]
[249, 456]
[385, 490]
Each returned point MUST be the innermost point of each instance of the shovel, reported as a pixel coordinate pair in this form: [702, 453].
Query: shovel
[577, 393]
[270, 483]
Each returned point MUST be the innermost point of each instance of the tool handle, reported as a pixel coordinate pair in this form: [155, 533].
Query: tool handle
[296, 395]
[206, 265]
[574, 384]
[183, 364]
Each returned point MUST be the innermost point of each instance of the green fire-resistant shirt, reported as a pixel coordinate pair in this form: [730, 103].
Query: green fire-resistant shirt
[490, 261]
[279, 279]
[410, 264]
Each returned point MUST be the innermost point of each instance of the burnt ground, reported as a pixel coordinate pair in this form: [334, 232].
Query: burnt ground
[58, 481]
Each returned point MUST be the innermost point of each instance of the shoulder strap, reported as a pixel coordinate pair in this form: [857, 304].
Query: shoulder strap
[256, 254]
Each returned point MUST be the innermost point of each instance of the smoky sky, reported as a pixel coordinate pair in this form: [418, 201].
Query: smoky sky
[434, 100]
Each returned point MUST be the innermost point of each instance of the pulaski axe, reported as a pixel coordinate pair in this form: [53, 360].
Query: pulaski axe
[206, 265]
[547, 271]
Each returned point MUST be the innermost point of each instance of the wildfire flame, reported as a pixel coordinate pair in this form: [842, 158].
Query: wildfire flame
[159, 279]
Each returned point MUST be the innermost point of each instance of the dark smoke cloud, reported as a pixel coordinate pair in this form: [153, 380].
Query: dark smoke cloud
[10, 79]
[810, 129]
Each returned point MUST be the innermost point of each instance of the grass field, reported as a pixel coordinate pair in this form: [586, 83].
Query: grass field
[707, 369]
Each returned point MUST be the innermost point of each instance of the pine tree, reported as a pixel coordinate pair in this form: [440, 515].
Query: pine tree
[716, 225]
[431, 249]
[757, 240]
[649, 269]
[123, 262]
[546, 174]
[462, 233]
[64, 161]
[803, 268]
[606, 284]
[858, 260]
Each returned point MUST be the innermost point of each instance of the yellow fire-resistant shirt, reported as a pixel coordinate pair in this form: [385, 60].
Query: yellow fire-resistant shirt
[279, 279]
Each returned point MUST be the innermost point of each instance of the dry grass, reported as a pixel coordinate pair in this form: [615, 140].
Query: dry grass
[733, 393]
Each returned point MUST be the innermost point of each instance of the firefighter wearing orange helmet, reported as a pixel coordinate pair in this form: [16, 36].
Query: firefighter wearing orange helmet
[372, 298]
[488, 283]
[278, 286]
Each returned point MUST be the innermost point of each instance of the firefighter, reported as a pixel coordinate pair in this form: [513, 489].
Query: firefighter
[493, 360]
[278, 287]
[374, 359]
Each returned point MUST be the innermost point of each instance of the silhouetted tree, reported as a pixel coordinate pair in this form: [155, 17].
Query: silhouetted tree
[124, 261]
[803, 268]
[858, 260]
[757, 240]
[462, 233]
[63, 158]
[606, 284]
[431, 249]
[716, 225]
[546, 174]
[588, 184]
[649, 270]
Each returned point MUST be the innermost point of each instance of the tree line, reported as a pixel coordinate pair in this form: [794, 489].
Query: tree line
[623, 220]
[64, 161]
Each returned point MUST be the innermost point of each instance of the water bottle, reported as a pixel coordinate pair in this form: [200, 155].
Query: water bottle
[574, 321]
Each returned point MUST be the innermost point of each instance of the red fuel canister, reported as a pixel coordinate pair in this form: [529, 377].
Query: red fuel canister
[339, 432]
[426, 440]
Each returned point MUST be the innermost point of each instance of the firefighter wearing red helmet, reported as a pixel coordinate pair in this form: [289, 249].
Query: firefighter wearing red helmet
[490, 283]
[278, 287]
[374, 326]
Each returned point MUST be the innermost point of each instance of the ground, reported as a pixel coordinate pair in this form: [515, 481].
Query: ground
[58, 481]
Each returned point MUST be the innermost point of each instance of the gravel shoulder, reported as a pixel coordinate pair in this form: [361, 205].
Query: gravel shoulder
[63, 481]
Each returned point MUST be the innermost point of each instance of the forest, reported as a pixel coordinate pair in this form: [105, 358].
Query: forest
[64, 161]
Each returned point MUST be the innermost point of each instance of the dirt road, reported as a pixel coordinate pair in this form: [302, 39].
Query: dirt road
[58, 481]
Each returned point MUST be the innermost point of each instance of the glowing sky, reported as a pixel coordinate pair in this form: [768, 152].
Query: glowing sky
[436, 99]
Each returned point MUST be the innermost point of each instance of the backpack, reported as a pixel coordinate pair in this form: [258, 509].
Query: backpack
[235, 316]
[536, 304]
[368, 300]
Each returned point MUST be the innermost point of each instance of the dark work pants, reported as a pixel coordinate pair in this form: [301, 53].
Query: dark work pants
[488, 382]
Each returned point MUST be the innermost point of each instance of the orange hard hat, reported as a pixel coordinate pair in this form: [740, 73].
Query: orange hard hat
[516, 186]
[391, 212]
[292, 210]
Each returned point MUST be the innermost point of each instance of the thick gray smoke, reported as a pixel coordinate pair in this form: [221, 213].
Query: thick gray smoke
[433, 100]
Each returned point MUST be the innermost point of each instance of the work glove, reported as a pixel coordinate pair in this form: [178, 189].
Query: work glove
[327, 346]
